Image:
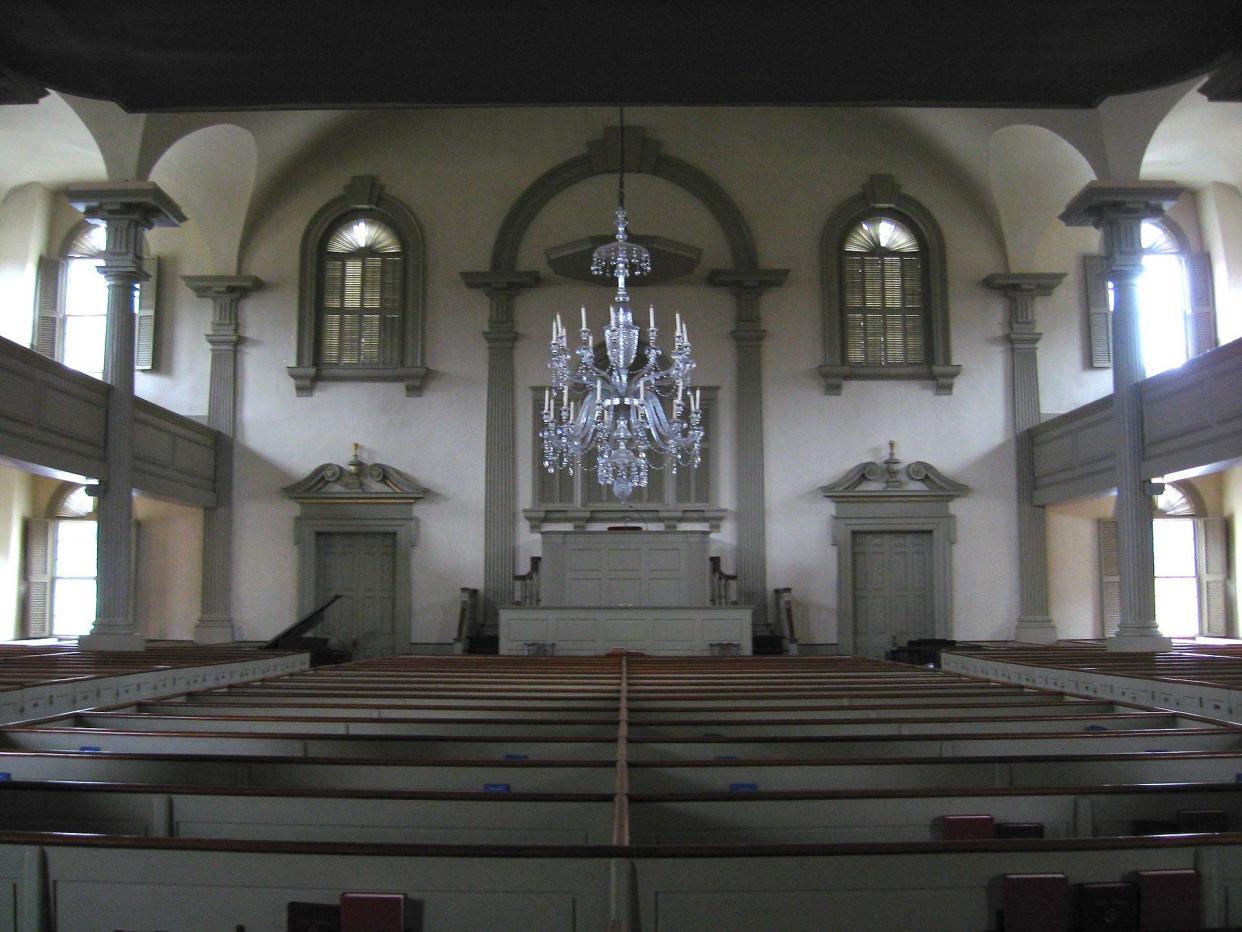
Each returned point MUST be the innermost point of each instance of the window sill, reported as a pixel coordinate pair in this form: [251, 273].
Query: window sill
[305, 377]
[942, 376]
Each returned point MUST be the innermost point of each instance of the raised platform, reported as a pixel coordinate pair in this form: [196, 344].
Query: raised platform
[674, 631]
[1203, 677]
[38, 680]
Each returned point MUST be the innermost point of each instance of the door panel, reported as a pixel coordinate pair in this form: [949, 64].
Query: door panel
[362, 569]
[892, 589]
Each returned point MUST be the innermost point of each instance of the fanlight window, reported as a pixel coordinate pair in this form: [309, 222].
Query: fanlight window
[883, 304]
[361, 304]
[86, 302]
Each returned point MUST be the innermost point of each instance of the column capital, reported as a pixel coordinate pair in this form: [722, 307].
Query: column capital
[1015, 284]
[143, 202]
[753, 281]
[500, 338]
[1101, 201]
[496, 284]
[1021, 289]
[222, 286]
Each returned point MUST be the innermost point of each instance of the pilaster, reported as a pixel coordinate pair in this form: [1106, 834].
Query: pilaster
[747, 286]
[500, 511]
[1118, 210]
[1021, 289]
[215, 623]
[127, 209]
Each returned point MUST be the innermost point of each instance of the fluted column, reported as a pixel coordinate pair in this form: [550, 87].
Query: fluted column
[747, 287]
[127, 209]
[1034, 623]
[215, 623]
[1118, 210]
[500, 453]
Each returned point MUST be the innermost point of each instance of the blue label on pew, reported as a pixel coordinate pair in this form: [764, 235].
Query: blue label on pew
[743, 787]
[516, 757]
[1237, 778]
[726, 757]
[5, 775]
[1096, 728]
[89, 747]
[495, 787]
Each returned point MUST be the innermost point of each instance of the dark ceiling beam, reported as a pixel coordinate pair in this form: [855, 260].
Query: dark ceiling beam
[238, 54]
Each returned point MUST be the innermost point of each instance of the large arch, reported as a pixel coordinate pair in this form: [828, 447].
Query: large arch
[503, 281]
[642, 156]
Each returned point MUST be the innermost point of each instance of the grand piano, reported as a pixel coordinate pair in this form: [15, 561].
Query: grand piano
[321, 650]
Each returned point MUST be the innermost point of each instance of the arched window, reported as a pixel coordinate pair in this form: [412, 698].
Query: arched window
[884, 317]
[360, 306]
[72, 311]
[1191, 566]
[61, 559]
[1177, 316]
[360, 312]
[885, 295]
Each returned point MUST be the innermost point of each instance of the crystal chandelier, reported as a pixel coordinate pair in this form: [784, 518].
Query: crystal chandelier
[630, 409]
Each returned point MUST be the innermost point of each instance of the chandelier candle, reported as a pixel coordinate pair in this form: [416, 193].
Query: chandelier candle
[622, 421]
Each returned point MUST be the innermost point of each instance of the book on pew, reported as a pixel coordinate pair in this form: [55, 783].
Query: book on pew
[1035, 903]
[1107, 907]
[1169, 899]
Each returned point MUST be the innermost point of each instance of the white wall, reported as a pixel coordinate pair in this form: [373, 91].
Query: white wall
[25, 214]
[1074, 566]
[460, 170]
[15, 508]
[169, 568]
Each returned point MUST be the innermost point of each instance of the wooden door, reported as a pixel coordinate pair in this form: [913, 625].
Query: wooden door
[892, 589]
[361, 568]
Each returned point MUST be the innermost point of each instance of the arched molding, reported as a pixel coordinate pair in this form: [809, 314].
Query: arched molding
[642, 156]
[882, 195]
[363, 193]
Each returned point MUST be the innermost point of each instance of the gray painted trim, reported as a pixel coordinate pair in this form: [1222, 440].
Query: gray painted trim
[503, 282]
[893, 507]
[882, 193]
[50, 416]
[363, 193]
[359, 518]
[943, 528]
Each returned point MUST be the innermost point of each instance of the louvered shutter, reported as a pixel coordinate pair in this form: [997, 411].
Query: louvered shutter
[48, 291]
[1099, 317]
[1202, 322]
[1212, 569]
[38, 604]
[144, 324]
[1110, 576]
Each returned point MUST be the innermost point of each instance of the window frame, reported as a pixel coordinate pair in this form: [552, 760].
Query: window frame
[1199, 307]
[52, 294]
[880, 196]
[363, 198]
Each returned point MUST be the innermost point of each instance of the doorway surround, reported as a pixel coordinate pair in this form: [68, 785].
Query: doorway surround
[881, 496]
[357, 498]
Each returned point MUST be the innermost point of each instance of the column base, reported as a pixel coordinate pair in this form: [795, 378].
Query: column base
[1036, 629]
[214, 631]
[127, 641]
[1139, 642]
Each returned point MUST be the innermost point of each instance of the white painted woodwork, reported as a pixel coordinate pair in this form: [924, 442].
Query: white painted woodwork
[670, 630]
